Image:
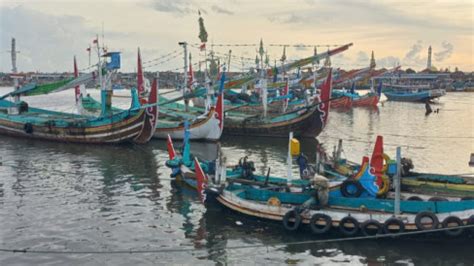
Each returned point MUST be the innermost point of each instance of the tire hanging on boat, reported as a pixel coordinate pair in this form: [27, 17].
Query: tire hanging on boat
[429, 215]
[470, 221]
[289, 225]
[28, 127]
[414, 198]
[354, 184]
[315, 228]
[393, 222]
[433, 199]
[366, 229]
[456, 231]
[349, 231]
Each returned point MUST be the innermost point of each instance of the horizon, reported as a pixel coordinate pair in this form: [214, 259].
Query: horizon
[50, 33]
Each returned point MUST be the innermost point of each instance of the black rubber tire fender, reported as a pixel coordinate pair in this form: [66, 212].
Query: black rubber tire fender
[434, 199]
[470, 221]
[289, 225]
[426, 214]
[349, 231]
[414, 198]
[28, 127]
[317, 229]
[365, 227]
[455, 231]
[346, 184]
[393, 221]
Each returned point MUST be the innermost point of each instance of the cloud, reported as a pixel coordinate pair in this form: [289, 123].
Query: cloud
[221, 10]
[46, 42]
[445, 53]
[413, 56]
[174, 6]
[387, 62]
[362, 58]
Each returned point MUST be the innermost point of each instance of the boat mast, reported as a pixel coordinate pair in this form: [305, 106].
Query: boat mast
[263, 81]
[15, 70]
[185, 73]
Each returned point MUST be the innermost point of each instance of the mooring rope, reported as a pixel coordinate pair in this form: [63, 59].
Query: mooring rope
[276, 245]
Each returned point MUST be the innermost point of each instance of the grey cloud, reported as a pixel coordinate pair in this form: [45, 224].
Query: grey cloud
[174, 6]
[387, 62]
[413, 56]
[445, 53]
[221, 10]
[362, 58]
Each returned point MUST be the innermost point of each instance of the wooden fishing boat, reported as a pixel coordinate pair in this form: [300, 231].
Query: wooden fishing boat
[305, 122]
[137, 125]
[441, 184]
[368, 100]
[401, 93]
[17, 119]
[349, 215]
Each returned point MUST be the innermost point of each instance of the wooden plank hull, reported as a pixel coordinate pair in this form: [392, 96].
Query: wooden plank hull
[263, 210]
[121, 130]
[366, 101]
[343, 102]
[308, 123]
[206, 128]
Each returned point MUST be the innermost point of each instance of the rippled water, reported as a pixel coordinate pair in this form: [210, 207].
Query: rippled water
[83, 197]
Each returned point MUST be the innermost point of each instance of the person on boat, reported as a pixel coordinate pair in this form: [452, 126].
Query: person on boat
[302, 162]
[428, 108]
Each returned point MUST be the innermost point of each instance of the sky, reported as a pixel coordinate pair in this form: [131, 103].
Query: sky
[50, 33]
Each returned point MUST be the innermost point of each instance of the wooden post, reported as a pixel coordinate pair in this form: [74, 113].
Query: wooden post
[396, 181]
[289, 159]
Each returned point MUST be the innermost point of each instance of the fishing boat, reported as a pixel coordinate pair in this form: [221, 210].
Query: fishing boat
[442, 185]
[369, 216]
[134, 125]
[304, 122]
[407, 93]
[205, 126]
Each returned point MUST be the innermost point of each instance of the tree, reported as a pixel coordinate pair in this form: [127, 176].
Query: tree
[410, 71]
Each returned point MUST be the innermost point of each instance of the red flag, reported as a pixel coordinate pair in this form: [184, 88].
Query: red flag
[77, 89]
[88, 49]
[203, 46]
[285, 93]
[190, 76]
[201, 180]
[376, 162]
[171, 151]
[95, 41]
[326, 89]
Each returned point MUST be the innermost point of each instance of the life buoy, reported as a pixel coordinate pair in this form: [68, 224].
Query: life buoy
[438, 199]
[351, 188]
[370, 226]
[291, 225]
[414, 198]
[426, 215]
[385, 186]
[28, 127]
[386, 159]
[349, 231]
[315, 227]
[394, 221]
[273, 201]
[453, 220]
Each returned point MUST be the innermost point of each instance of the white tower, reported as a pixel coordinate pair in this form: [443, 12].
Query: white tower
[428, 65]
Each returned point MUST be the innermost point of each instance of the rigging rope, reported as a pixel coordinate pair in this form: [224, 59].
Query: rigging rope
[275, 245]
